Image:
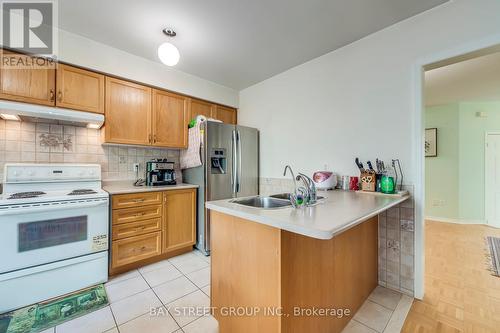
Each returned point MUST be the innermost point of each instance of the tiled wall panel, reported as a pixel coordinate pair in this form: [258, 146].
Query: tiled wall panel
[53, 143]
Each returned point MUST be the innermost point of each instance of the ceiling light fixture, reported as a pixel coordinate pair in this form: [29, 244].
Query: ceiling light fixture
[167, 52]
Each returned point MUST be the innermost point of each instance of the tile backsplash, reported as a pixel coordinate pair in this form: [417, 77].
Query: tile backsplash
[396, 237]
[39, 142]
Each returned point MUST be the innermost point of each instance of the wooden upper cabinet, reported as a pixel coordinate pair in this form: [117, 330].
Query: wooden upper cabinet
[225, 114]
[30, 85]
[128, 112]
[79, 89]
[179, 214]
[202, 108]
[170, 119]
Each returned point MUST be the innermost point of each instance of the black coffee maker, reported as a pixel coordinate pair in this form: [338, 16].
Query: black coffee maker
[160, 172]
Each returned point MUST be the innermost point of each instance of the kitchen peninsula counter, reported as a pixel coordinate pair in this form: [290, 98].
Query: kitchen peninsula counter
[294, 270]
[337, 212]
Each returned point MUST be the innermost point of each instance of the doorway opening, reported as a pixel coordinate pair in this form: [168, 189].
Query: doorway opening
[461, 118]
[492, 178]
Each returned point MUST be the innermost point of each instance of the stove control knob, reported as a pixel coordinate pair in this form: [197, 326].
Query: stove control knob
[17, 173]
[91, 172]
[31, 173]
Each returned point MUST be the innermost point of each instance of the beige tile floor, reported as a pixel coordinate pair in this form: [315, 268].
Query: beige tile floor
[168, 287]
[183, 282]
[384, 311]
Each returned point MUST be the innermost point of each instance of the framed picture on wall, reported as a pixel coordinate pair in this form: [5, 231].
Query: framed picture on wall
[431, 142]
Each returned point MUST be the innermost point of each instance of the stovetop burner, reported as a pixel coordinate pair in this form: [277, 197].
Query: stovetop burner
[82, 192]
[24, 195]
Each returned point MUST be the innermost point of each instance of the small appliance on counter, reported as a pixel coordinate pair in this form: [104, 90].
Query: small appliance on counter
[325, 180]
[160, 172]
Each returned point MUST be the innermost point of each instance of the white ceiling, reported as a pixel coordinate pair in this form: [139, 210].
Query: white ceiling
[236, 43]
[476, 79]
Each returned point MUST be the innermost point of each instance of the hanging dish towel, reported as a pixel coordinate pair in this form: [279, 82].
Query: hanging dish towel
[190, 157]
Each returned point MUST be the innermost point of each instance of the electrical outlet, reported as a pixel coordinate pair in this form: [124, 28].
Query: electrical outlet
[438, 203]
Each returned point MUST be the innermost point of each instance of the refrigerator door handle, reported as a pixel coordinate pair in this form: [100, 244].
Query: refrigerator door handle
[234, 164]
[238, 139]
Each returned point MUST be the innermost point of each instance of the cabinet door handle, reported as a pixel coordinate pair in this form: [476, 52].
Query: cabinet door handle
[52, 95]
[154, 138]
[150, 138]
[59, 96]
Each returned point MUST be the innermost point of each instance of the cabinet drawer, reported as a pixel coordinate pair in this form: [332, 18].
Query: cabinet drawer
[136, 214]
[132, 249]
[136, 199]
[136, 228]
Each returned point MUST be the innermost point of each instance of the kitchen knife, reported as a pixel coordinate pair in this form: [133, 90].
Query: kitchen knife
[359, 165]
[370, 165]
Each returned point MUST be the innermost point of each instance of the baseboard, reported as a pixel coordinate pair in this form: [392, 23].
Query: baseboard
[452, 220]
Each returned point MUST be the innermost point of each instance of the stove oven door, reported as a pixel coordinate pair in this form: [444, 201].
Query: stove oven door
[36, 234]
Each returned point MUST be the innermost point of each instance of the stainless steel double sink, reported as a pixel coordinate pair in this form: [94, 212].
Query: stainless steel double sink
[263, 202]
[274, 201]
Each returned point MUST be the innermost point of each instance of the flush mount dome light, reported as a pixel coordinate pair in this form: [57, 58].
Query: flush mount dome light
[167, 52]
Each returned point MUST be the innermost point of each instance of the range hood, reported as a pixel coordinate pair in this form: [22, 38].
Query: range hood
[33, 112]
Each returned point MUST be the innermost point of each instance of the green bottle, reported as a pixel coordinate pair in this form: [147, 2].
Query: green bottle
[387, 184]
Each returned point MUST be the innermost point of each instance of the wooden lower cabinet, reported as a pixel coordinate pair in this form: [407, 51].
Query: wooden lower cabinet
[255, 266]
[151, 226]
[136, 199]
[132, 249]
[179, 219]
[136, 214]
[136, 228]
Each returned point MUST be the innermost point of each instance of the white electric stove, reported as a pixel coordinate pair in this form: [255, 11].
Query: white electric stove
[53, 231]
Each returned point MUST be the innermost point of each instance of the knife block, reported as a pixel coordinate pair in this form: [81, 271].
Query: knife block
[368, 180]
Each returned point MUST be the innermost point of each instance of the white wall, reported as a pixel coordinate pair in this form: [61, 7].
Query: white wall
[88, 53]
[358, 100]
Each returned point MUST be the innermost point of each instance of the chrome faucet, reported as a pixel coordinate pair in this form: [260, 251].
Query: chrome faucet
[293, 196]
[287, 167]
[310, 189]
[307, 192]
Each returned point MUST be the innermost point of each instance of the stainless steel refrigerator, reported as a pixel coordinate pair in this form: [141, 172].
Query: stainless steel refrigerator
[230, 169]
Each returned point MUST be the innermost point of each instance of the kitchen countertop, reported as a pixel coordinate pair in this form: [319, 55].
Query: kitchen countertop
[127, 186]
[339, 211]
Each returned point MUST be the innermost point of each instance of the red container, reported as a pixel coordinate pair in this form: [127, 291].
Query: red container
[354, 183]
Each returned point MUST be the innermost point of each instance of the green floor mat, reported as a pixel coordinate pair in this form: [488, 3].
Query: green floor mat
[37, 317]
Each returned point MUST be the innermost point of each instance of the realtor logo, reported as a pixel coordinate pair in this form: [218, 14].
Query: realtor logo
[29, 26]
